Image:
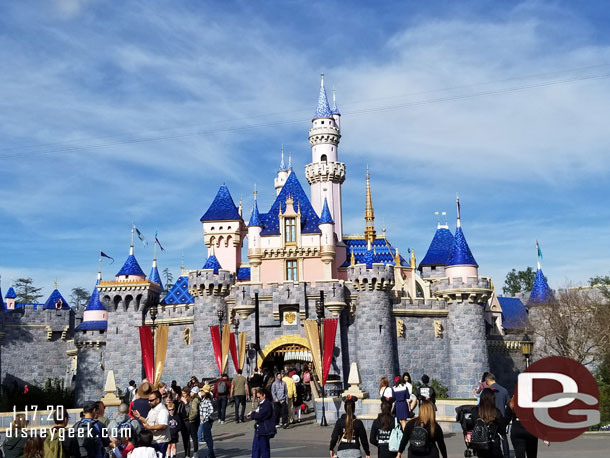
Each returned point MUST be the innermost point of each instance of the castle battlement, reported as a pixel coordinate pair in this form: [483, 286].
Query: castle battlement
[377, 277]
[206, 283]
[325, 171]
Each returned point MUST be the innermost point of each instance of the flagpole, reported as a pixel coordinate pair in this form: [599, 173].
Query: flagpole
[538, 254]
[99, 272]
[133, 226]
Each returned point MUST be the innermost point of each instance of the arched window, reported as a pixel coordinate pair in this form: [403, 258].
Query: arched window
[323, 158]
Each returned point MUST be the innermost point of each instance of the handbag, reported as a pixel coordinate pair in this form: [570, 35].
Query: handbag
[266, 428]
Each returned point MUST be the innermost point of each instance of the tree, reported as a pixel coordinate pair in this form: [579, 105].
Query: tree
[575, 324]
[26, 291]
[169, 278]
[602, 284]
[79, 297]
[519, 282]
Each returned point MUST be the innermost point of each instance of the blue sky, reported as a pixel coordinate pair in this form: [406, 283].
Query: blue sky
[113, 112]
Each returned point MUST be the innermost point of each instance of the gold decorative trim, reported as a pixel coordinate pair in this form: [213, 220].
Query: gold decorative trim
[72, 352]
[174, 321]
[287, 339]
[504, 346]
[421, 312]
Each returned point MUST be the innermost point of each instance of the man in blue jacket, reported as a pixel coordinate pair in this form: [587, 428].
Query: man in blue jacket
[264, 429]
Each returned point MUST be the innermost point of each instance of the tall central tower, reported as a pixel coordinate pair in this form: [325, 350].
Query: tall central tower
[325, 174]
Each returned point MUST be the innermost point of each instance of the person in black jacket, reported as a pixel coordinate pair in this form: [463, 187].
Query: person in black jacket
[433, 441]
[496, 422]
[264, 428]
[524, 442]
[382, 428]
[349, 432]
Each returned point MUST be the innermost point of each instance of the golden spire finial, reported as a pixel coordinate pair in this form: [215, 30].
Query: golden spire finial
[413, 261]
[182, 266]
[55, 282]
[396, 257]
[369, 213]
[352, 259]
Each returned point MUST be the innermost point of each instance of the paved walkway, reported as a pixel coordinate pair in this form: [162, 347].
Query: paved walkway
[307, 439]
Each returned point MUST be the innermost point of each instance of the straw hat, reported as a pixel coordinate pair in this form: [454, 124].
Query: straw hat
[205, 388]
[144, 390]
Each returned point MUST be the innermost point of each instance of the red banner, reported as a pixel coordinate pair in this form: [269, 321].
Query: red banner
[148, 351]
[233, 349]
[215, 332]
[330, 330]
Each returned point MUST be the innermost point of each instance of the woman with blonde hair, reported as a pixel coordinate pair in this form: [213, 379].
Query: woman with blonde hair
[16, 437]
[424, 435]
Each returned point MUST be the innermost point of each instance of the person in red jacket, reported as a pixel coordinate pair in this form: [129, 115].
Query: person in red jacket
[222, 390]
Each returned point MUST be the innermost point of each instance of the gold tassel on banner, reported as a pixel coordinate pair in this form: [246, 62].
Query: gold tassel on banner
[161, 338]
[311, 330]
[226, 341]
[242, 349]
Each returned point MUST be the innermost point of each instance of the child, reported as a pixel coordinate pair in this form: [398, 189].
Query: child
[124, 445]
[144, 447]
[175, 425]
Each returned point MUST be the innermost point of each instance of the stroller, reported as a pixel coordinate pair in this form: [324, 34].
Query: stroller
[464, 416]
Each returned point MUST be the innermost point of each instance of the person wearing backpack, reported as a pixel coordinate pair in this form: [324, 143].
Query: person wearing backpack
[193, 419]
[386, 427]
[489, 425]
[57, 444]
[90, 437]
[424, 435]
[349, 433]
[222, 389]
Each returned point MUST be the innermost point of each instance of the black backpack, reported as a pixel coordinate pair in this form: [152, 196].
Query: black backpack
[419, 441]
[87, 441]
[482, 435]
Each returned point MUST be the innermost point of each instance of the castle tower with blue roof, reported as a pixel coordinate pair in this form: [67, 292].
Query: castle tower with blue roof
[325, 174]
[224, 229]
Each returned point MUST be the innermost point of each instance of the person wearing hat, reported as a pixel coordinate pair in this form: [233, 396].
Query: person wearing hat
[140, 403]
[299, 395]
[156, 421]
[192, 402]
[382, 428]
[349, 432]
[206, 412]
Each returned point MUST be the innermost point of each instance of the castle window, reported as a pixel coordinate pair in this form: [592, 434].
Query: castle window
[291, 270]
[290, 231]
[323, 158]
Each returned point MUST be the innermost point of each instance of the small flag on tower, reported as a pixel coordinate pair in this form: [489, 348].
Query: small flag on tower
[104, 255]
[538, 250]
[158, 243]
[141, 237]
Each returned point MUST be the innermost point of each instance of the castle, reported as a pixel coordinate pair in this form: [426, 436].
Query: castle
[439, 317]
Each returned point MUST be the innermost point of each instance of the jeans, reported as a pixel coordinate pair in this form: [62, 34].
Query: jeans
[205, 430]
[222, 407]
[260, 446]
[194, 433]
[281, 410]
[240, 400]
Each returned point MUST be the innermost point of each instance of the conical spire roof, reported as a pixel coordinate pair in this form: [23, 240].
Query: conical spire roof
[91, 317]
[323, 109]
[131, 267]
[334, 110]
[154, 274]
[460, 254]
[95, 303]
[222, 208]
[438, 251]
[212, 263]
[325, 217]
[56, 302]
[10, 294]
[541, 292]
[255, 217]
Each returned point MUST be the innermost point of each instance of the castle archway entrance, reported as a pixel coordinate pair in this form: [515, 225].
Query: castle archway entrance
[287, 349]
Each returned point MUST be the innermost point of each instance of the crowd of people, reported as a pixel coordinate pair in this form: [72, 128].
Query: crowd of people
[397, 430]
[153, 419]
